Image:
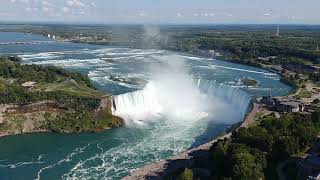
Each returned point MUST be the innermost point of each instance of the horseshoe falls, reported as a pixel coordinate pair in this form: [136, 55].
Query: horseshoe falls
[149, 102]
[170, 101]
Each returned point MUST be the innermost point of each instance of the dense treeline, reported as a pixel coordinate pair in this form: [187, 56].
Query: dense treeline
[11, 67]
[240, 43]
[252, 152]
[80, 121]
[65, 99]
[245, 44]
[13, 92]
[246, 47]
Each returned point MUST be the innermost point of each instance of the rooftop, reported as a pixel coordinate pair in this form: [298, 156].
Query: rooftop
[28, 84]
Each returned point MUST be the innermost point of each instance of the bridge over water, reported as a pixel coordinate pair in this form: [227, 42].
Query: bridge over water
[26, 42]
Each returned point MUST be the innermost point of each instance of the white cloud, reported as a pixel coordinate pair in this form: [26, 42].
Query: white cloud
[46, 9]
[143, 14]
[24, 1]
[65, 9]
[75, 3]
[46, 3]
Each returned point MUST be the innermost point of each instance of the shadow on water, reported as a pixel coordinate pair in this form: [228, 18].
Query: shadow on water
[213, 130]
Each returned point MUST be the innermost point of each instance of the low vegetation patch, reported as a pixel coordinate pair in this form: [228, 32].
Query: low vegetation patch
[249, 82]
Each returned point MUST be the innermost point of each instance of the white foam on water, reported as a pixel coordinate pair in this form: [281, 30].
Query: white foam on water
[70, 62]
[24, 163]
[245, 70]
[121, 57]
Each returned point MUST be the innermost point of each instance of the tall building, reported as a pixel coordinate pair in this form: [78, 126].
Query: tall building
[317, 48]
[278, 31]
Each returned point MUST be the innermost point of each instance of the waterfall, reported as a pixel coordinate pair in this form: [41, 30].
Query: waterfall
[233, 96]
[137, 105]
[150, 101]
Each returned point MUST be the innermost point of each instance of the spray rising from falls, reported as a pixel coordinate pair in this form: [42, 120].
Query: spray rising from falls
[216, 98]
[173, 93]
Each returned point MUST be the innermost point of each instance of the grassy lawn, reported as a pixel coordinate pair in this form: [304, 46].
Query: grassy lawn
[304, 93]
[72, 87]
[257, 119]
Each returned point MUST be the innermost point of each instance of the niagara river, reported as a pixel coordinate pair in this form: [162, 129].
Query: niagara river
[170, 102]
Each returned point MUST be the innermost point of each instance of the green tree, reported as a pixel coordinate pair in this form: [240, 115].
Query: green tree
[218, 156]
[187, 174]
[244, 167]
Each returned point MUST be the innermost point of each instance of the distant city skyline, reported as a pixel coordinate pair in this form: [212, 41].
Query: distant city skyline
[162, 11]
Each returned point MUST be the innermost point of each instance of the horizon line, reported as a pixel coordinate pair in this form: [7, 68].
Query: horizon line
[146, 23]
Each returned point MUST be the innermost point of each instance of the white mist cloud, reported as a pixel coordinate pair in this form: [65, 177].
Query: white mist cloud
[176, 89]
[171, 93]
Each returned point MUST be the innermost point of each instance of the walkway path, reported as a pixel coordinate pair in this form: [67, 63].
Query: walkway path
[250, 118]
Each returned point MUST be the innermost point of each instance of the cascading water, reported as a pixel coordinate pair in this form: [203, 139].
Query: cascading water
[147, 102]
[235, 97]
[137, 105]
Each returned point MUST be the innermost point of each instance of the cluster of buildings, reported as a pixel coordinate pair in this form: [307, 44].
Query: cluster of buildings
[268, 58]
[29, 85]
[289, 104]
[283, 104]
[302, 68]
[308, 167]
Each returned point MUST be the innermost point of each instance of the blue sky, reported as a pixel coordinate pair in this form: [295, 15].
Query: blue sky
[163, 11]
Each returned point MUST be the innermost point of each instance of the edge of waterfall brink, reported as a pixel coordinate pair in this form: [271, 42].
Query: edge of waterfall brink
[160, 169]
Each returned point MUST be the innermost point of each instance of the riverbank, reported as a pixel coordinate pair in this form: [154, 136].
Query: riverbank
[161, 169]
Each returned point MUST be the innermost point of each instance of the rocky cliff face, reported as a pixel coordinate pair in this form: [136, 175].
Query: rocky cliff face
[30, 118]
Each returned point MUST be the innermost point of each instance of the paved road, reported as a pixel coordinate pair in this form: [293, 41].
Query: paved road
[250, 118]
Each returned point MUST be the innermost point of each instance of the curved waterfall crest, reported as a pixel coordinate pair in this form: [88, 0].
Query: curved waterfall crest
[229, 94]
[148, 102]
